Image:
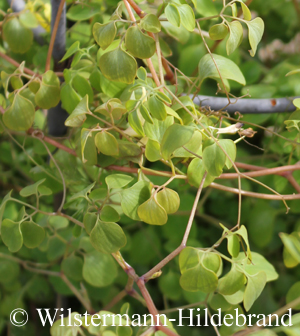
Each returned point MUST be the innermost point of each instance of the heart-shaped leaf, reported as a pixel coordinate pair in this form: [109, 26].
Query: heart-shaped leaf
[17, 36]
[117, 65]
[107, 237]
[20, 115]
[139, 44]
[48, 94]
[99, 269]
[169, 200]
[104, 34]
[218, 31]
[172, 14]
[151, 212]
[235, 36]
[150, 23]
[255, 32]
[175, 137]
[33, 234]
[214, 159]
[11, 235]
[133, 197]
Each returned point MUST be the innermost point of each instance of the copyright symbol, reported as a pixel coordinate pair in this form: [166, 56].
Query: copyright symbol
[14, 313]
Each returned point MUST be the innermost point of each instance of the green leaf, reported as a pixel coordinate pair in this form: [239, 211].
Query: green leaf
[48, 94]
[128, 149]
[104, 34]
[83, 87]
[3, 204]
[172, 14]
[230, 148]
[107, 237]
[196, 172]
[235, 36]
[189, 258]
[69, 97]
[205, 7]
[218, 31]
[156, 130]
[255, 286]
[33, 234]
[214, 159]
[145, 113]
[82, 193]
[151, 212]
[133, 197]
[20, 115]
[259, 263]
[233, 245]
[199, 278]
[293, 293]
[78, 116]
[232, 282]
[28, 19]
[11, 235]
[109, 214]
[124, 330]
[118, 65]
[31, 189]
[246, 12]
[71, 50]
[89, 221]
[117, 181]
[157, 108]
[84, 11]
[134, 120]
[227, 68]
[169, 200]
[99, 269]
[194, 146]
[98, 194]
[150, 23]
[88, 147]
[292, 245]
[107, 143]
[72, 267]
[163, 97]
[175, 137]
[255, 32]
[296, 102]
[242, 231]
[17, 36]
[152, 150]
[141, 72]
[139, 44]
[187, 17]
[58, 222]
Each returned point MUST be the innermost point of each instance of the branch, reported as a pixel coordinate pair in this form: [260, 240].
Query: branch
[246, 106]
[254, 194]
[58, 28]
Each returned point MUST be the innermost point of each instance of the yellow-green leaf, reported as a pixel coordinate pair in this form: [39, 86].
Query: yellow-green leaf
[107, 143]
[151, 212]
[20, 115]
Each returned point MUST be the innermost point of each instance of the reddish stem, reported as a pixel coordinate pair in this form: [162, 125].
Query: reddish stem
[53, 35]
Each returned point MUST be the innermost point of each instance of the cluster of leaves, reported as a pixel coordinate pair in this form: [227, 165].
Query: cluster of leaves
[122, 120]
